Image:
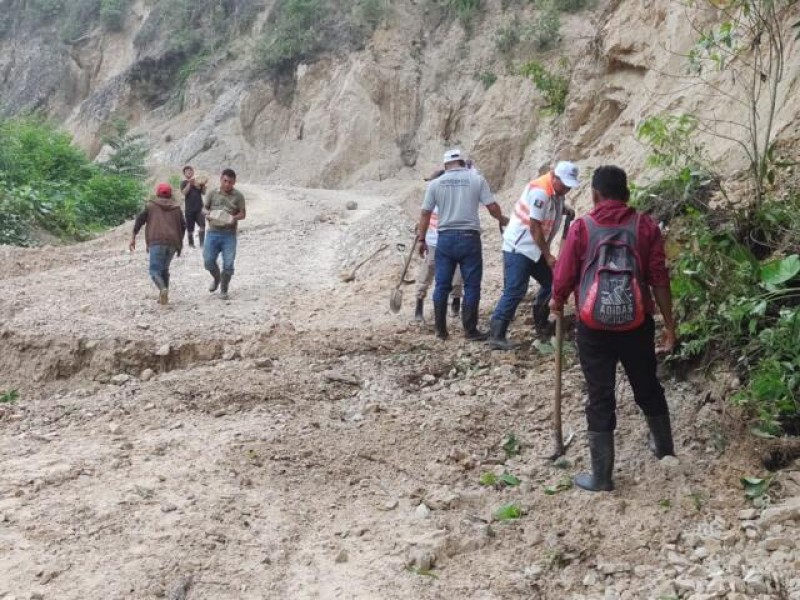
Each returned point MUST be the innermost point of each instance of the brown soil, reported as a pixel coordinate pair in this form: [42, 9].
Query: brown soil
[279, 445]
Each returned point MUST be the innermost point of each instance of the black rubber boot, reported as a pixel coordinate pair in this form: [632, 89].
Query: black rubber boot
[225, 281]
[201, 236]
[190, 238]
[601, 450]
[455, 307]
[469, 318]
[418, 313]
[497, 335]
[440, 319]
[543, 328]
[216, 275]
[660, 435]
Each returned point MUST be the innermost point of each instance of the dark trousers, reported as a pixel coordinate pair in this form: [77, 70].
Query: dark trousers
[459, 249]
[195, 217]
[599, 352]
[518, 270]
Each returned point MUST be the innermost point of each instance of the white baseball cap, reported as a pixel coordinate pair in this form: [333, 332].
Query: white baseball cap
[567, 172]
[453, 155]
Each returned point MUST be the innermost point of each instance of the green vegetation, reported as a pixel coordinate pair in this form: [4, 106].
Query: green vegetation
[687, 179]
[544, 33]
[113, 13]
[507, 36]
[562, 485]
[487, 78]
[47, 183]
[511, 445]
[508, 512]
[128, 151]
[554, 88]
[736, 268]
[45, 9]
[193, 26]
[297, 34]
[489, 479]
[9, 397]
[77, 17]
[465, 10]
[301, 30]
[735, 273]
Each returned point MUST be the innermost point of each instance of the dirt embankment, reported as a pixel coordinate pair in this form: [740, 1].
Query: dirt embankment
[300, 441]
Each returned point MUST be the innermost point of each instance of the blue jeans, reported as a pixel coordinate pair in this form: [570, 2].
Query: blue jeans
[459, 249]
[518, 269]
[219, 242]
[161, 256]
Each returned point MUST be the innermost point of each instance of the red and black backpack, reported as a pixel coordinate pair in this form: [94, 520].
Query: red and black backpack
[610, 293]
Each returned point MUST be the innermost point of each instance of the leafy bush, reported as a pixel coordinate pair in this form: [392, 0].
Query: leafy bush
[112, 13]
[301, 30]
[465, 10]
[296, 34]
[554, 88]
[78, 20]
[487, 78]
[544, 33]
[50, 184]
[730, 306]
[45, 9]
[367, 15]
[507, 36]
[573, 6]
[735, 273]
[686, 178]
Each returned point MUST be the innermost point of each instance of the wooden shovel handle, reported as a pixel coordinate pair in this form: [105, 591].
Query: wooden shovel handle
[408, 261]
[557, 430]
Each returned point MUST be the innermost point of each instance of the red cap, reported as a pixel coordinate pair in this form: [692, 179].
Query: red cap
[164, 190]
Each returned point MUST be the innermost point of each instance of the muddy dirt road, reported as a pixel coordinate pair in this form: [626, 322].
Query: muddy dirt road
[300, 441]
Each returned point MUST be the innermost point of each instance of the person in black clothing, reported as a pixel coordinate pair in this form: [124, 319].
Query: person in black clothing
[193, 205]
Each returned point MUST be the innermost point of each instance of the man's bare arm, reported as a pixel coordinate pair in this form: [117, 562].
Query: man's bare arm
[663, 297]
[538, 238]
[422, 230]
[497, 212]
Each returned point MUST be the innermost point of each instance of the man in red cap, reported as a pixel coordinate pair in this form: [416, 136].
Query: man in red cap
[163, 233]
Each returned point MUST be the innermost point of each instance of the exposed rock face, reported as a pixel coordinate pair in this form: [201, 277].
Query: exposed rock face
[387, 110]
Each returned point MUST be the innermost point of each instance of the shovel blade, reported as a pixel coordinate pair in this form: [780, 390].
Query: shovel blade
[560, 446]
[396, 300]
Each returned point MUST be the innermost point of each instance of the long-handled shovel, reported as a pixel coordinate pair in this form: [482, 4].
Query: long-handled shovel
[348, 276]
[558, 434]
[396, 298]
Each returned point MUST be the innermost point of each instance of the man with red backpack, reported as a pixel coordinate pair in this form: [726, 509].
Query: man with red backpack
[611, 260]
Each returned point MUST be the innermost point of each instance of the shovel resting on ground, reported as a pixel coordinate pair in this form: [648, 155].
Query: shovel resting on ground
[396, 298]
[348, 276]
[561, 445]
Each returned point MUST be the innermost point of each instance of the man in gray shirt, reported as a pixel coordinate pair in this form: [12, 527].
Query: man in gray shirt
[457, 196]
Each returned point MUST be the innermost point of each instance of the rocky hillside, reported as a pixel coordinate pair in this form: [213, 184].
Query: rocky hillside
[330, 94]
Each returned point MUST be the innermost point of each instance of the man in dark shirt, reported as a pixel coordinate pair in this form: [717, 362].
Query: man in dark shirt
[193, 205]
[599, 350]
